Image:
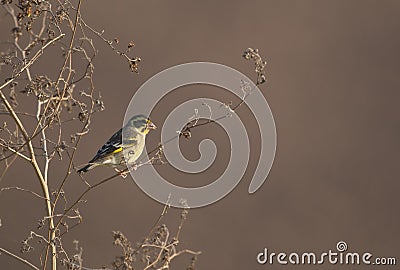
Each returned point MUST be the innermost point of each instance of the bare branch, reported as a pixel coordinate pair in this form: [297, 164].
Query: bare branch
[24, 190]
[31, 62]
[13, 255]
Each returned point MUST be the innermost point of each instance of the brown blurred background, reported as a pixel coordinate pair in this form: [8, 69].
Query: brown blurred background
[333, 70]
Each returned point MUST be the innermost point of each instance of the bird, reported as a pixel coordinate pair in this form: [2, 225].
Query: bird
[112, 152]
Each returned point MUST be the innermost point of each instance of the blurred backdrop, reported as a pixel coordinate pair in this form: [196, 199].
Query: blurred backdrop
[333, 87]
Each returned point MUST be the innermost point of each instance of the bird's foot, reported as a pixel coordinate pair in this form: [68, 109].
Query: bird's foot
[133, 166]
[123, 173]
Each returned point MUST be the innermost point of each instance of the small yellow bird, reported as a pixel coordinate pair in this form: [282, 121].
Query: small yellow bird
[112, 154]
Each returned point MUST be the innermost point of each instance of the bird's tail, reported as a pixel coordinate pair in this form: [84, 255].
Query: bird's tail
[86, 168]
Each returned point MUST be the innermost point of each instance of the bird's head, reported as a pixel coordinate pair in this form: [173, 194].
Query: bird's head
[141, 124]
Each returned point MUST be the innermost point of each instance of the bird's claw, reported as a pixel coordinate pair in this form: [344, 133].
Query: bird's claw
[133, 166]
[123, 173]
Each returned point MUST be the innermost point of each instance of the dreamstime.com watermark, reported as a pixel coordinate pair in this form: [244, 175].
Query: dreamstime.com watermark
[339, 256]
[153, 90]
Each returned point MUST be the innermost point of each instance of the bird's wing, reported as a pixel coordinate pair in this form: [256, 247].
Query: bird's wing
[113, 145]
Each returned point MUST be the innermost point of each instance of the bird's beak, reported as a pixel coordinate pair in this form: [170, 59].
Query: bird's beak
[150, 125]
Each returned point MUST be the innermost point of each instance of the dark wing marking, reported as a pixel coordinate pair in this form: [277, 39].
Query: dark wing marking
[114, 143]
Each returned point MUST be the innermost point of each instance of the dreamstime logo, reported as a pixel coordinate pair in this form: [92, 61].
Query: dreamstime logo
[339, 256]
[153, 90]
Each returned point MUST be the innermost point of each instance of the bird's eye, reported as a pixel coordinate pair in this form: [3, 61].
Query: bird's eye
[140, 123]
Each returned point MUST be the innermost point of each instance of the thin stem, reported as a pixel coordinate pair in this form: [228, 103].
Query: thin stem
[15, 152]
[44, 142]
[12, 255]
[52, 232]
[8, 165]
[84, 193]
[67, 58]
[22, 189]
[32, 61]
